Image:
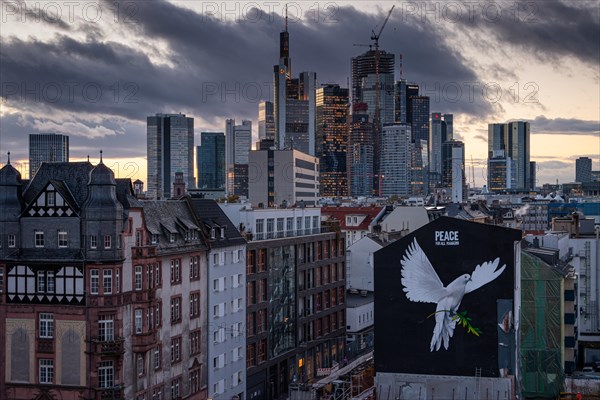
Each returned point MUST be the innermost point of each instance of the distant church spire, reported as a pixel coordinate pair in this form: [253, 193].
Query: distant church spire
[9, 158]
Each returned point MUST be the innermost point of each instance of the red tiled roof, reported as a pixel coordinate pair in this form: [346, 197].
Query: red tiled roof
[339, 214]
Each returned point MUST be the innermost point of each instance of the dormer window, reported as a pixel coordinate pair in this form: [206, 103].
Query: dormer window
[39, 239]
[107, 242]
[223, 232]
[154, 238]
[172, 238]
[213, 233]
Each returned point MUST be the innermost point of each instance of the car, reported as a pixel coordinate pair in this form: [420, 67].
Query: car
[587, 369]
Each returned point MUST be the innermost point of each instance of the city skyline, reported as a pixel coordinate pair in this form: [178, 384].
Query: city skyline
[209, 86]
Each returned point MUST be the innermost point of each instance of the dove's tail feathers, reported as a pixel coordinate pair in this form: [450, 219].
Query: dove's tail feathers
[443, 331]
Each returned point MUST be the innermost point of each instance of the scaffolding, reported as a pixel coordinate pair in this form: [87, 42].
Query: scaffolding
[542, 374]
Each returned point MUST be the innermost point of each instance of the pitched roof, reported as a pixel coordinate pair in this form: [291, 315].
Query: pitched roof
[339, 214]
[164, 217]
[210, 215]
[75, 175]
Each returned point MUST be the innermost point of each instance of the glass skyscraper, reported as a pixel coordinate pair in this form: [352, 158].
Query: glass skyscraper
[210, 160]
[47, 147]
[170, 149]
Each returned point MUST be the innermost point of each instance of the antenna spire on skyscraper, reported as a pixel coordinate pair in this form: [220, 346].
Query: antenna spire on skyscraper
[286, 18]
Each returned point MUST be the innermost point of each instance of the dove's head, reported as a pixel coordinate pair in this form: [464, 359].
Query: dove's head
[466, 278]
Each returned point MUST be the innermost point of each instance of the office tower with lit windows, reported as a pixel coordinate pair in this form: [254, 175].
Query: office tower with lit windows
[170, 149]
[332, 139]
[238, 142]
[210, 160]
[509, 150]
[47, 147]
[360, 152]
[518, 149]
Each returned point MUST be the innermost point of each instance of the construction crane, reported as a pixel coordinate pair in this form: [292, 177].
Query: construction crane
[370, 46]
[375, 36]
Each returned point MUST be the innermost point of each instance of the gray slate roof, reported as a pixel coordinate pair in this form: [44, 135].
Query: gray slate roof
[209, 215]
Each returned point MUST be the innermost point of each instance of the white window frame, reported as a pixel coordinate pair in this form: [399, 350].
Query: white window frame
[12, 241]
[106, 374]
[138, 277]
[46, 325]
[39, 238]
[94, 281]
[106, 329]
[46, 371]
[107, 241]
[93, 242]
[107, 281]
[157, 357]
[138, 321]
[63, 239]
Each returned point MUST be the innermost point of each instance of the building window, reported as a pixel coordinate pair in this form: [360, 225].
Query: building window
[106, 329]
[236, 378]
[50, 199]
[176, 350]
[140, 364]
[157, 357]
[154, 238]
[194, 305]
[93, 241]
[138, 321]
[46, 371]
[195, 381]
[39, 239]
[41, 282]
[46, 325]
[94, 281]
[118, 280]
[106, 378]
[62, 239]
[107, 281]
[175, 271]
[175, 385]
[216, 258]
[12, 241]
[194, 268]
[107, 241]
[172, 238]
[1, 279]
[175, 310]
[138, 277]
[195, 341]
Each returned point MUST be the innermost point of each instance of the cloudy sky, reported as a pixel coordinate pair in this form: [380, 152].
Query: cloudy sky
[96, 69]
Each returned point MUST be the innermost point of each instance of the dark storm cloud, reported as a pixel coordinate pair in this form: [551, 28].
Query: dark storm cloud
[564, 126]
[546, 29]
[216, 69]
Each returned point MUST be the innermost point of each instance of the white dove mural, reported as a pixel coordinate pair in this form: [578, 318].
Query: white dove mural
[422, 284]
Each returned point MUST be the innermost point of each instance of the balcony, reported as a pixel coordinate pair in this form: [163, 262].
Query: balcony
[108, 347]
[143, 342]
[113, 393]
[45, 346]
[143, 252]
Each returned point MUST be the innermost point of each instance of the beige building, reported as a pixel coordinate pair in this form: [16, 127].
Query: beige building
[282, 177]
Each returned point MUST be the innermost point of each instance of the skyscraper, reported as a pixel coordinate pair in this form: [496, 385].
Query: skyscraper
[294, 109]
[266, 121]
[508, 150]
[395, 160]
[47, 147]
[441, 130]
[518, 149]
[332, 139]
[360, 152]
[583, 170]
[365, 65]
[238, 141]
[453, 168]
[170, 148]
[210, 160]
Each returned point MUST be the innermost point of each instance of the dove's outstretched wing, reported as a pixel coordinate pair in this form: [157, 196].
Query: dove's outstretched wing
[421, 282]
[483, 274]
